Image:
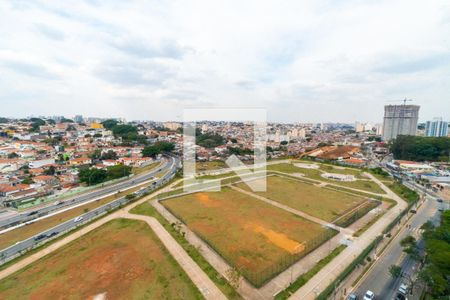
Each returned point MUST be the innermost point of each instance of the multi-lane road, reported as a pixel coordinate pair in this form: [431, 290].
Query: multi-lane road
[170, 168]
[79, 199]
[378, 279]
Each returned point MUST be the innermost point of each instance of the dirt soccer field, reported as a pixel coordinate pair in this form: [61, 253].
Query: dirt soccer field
[257, 238]
[123, 259]
[316, 201]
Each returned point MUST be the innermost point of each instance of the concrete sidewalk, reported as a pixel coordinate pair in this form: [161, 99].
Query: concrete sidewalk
[330, 272]
[198, 277]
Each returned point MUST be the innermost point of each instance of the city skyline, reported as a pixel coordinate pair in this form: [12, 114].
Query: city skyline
[151, 61]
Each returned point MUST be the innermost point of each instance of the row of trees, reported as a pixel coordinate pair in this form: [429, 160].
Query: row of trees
[420, 148]
[157, 148]
[92, 176]
[128, 133]
[434, 259]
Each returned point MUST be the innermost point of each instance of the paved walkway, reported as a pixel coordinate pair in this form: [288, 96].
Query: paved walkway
[326, 276]
[198, 277]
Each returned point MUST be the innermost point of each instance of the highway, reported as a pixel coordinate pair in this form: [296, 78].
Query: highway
[78, 199]
[378, 279]
[19, 248]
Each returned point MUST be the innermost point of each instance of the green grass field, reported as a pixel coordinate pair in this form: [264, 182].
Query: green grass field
[122, 259]
[257, 238]
[361, 184]
[319, 202]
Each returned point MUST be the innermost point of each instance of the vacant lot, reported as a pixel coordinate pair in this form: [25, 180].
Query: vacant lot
[258, 239]
[123, 259]
[361, 184]
[316, 201]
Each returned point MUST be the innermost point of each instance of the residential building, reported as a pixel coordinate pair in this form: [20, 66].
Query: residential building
[400, 120]
[436, 128]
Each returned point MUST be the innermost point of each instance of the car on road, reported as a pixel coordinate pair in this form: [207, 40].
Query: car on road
[352, 297]
[32, 213]
[40, 237]
[369, 295]
[439, 200]
[413, 211]
[49, 235]
[78, 219]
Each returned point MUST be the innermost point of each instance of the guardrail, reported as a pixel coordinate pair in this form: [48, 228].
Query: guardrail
[87, 217]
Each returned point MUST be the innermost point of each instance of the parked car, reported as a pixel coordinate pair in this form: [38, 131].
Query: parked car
[78, 219]
[369, 295]
[352, 297]
[403, 289]
[400, 296]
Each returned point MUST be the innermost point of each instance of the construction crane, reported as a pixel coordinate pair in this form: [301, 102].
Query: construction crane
[404, 101]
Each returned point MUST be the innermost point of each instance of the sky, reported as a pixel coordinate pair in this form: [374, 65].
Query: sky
[303, 61]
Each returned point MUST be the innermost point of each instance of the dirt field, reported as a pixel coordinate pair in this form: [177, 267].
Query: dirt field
[316, 201]
[250, 234]
[123, 259]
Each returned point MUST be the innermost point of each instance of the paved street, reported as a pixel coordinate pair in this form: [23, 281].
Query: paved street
[198, 277]
[325, 276]
[78, 199]
[378, 278]
[46, 235]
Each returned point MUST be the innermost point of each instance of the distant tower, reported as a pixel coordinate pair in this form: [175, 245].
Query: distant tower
[436, 128]
[400, 120]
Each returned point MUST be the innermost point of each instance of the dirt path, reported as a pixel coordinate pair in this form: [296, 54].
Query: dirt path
[198, 277]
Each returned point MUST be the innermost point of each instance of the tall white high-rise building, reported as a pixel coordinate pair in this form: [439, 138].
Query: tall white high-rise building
[400, 120]
[436, 128]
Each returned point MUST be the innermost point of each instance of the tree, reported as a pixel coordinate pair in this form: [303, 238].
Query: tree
[419, 148]
[395, 271]
[12, 155]
[209, 140]
[124, 130]
[109, 155]
[157, 148]
[118, 171]
[436, 271]
[50, 171]
[409, 245]
[109, 124]
[28, 180]
[36, 123]
[92, 176]
[96, 154]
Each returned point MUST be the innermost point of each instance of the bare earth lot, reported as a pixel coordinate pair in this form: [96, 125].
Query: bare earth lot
[256, 238]
[316, 201]
[123, 259]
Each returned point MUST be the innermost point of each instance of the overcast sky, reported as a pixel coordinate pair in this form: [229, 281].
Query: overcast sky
[305, 61]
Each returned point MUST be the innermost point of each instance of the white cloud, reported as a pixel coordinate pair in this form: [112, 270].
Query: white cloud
[302, 60]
